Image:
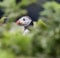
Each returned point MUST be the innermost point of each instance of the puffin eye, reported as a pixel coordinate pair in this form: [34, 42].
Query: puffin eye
[23, 19]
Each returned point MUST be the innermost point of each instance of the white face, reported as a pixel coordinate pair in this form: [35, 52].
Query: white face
[25, 20]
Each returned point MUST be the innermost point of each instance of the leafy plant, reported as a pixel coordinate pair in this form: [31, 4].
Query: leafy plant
[42, 42]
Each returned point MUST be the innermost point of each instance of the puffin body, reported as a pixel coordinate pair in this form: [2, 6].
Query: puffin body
[25, 21]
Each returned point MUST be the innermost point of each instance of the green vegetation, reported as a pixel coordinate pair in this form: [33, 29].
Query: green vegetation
[42, 42]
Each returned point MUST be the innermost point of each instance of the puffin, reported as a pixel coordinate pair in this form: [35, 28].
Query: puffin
[26, 22]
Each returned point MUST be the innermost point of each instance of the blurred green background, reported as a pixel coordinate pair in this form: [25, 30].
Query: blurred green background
[44, 39]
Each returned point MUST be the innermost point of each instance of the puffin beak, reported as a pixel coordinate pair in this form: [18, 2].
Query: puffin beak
[19, 23]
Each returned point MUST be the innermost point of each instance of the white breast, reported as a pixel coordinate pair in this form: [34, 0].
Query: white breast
[26, 32]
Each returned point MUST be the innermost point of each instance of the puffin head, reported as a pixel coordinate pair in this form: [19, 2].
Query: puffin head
[24, 21]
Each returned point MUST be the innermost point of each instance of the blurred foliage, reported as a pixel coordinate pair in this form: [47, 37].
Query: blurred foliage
[42, 42]
[6, 54]
[13, 10]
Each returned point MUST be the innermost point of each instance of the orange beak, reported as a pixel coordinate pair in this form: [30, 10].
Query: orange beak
[19, 23]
